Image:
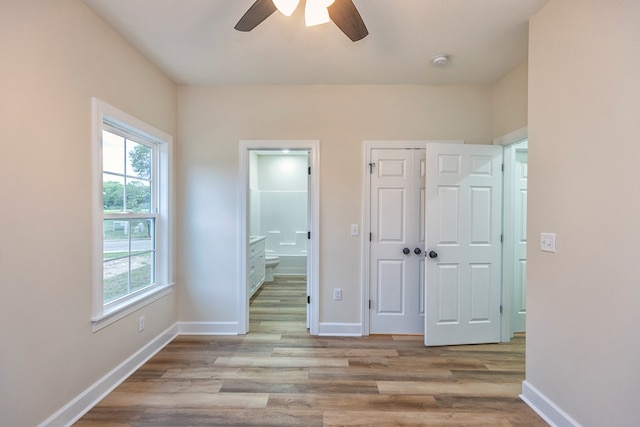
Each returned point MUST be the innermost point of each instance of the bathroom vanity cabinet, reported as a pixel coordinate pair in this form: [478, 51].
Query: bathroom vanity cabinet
[256, 264]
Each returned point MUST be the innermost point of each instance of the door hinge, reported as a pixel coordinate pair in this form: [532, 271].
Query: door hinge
[371, 237]
[502, 168]
[371, 166]
[369, 304]
[501, 310]
[309, 235]
[502, 238]
[308, 299]
[309, 170]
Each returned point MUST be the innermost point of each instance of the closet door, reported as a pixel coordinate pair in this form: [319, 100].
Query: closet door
[463, 244]
[396, 262]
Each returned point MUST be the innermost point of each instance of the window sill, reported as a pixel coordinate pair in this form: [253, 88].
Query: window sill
[117, 312]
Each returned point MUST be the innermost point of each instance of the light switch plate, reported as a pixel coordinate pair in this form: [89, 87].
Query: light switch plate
[548, 242]
[354, 229]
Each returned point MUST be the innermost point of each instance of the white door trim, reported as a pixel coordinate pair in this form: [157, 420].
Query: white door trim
[512, 137]
[367, 146]
[314, 209]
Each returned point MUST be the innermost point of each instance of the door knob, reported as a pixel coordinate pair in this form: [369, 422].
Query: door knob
[417, 251]
[406, 251]
[433, 254]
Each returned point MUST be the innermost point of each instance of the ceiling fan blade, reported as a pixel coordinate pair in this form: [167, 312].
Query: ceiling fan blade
[345, 15]
[258, 12]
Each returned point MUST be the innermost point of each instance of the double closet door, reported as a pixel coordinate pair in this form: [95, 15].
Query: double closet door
[444, 202]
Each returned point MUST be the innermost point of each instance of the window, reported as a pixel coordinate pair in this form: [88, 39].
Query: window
[131, 214]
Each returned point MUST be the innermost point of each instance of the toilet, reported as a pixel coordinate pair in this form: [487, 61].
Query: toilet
[270, 264]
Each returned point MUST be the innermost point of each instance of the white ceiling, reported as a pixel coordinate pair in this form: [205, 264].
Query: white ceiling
[194, 41]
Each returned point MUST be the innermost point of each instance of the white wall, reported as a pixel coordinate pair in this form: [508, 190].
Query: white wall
[213, 119]
[56, 55]
[510, 101]
[583, 344]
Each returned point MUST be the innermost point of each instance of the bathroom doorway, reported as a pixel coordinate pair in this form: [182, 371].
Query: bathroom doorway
[279, 236]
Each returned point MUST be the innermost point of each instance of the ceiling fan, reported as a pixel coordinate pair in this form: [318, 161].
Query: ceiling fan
[342, 12]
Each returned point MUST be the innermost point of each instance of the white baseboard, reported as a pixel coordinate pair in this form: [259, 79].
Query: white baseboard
[544, 407]
[340, 329]
[207, 328]
[86, 400]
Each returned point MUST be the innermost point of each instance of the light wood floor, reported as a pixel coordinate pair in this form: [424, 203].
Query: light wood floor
[278, 375]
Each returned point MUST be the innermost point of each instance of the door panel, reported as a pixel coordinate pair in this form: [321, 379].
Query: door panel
[480, 216]
[391, 215]
[448, 284]
[480, 293]
[397, 222]
[463, 210]
[391, 277]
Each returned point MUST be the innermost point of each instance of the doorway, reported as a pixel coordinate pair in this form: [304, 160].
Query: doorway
[291, 234]
[515, 231]
[513, 299]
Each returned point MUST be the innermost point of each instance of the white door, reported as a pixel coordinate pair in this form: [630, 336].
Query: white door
[518, 313]
[397, 241]
[463, 244]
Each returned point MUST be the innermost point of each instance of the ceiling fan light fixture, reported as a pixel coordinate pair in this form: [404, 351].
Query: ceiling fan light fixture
[316, 12]
[286, 7]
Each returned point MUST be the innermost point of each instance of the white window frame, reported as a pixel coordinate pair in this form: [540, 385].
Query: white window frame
[106, 314]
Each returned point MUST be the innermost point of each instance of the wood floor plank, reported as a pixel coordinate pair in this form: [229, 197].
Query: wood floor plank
[185, 400]
[225, 373]
[436, 388]
[229, 418]
[334, 352]
[176, 385]
[352, 402]
[387, 374]
[394, 419]
[300, 387]
[280, 362]
[279, 375]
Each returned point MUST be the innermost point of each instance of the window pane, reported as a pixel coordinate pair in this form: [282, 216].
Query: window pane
[113, 153]
[141, 271]
[112, 193]
[142, 235]
[115, 279]
[128, 255]
[138, 160]
[115, 242]
[138, 194]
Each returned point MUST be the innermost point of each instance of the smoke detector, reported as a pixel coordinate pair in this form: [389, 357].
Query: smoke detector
[440, 60]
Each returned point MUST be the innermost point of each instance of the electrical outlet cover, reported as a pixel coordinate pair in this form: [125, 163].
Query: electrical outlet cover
[548, 242]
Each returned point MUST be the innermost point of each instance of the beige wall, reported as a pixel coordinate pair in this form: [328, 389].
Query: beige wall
[583, 344]
[213, 119]
[55, 57]
[510, 102]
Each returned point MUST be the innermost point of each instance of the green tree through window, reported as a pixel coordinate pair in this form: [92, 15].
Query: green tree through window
[140, 158]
